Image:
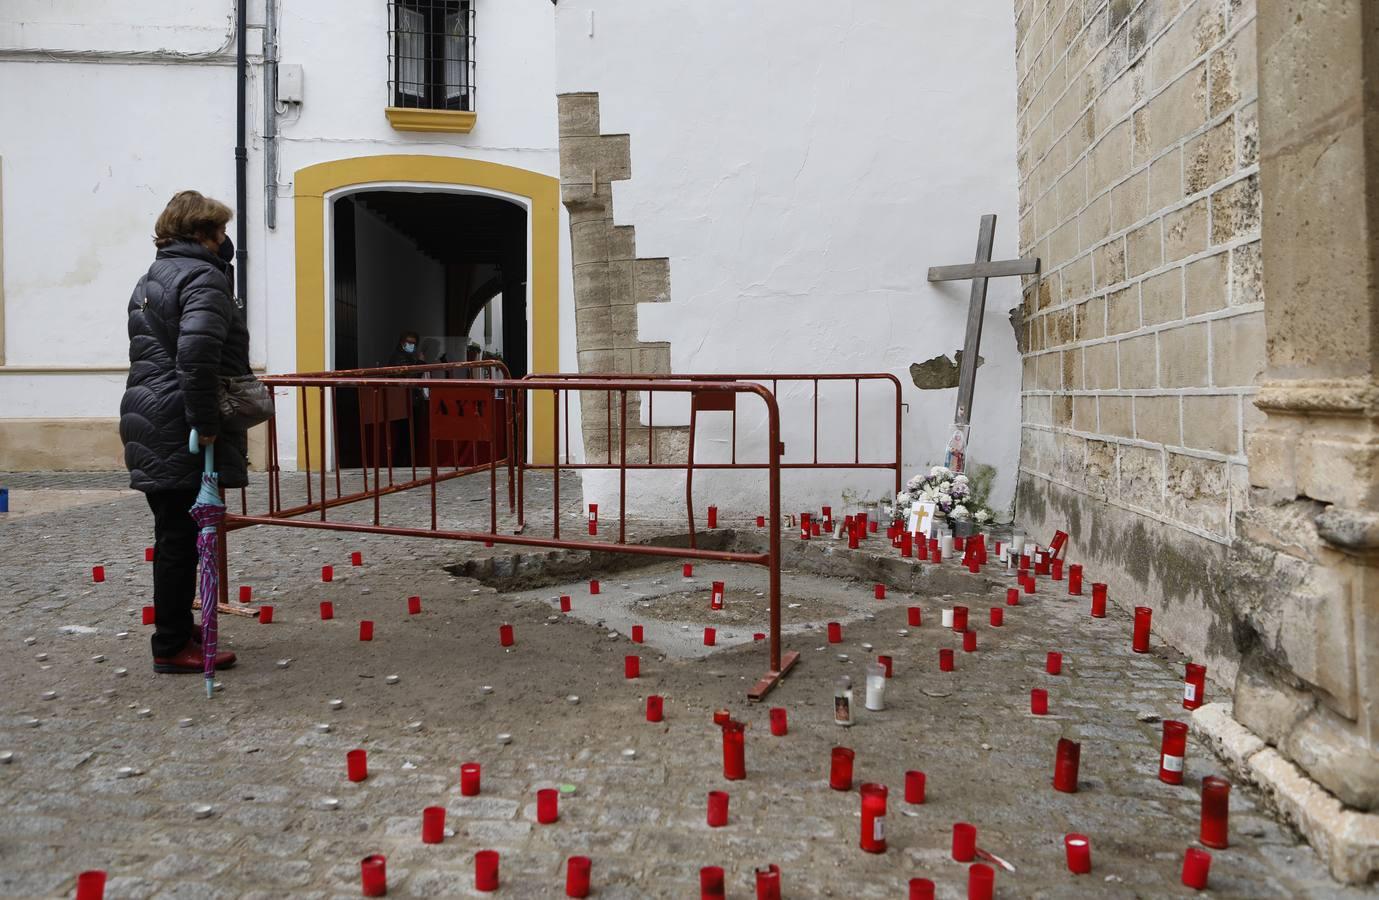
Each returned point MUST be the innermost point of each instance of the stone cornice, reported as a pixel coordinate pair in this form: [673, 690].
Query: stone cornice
[1345, 396]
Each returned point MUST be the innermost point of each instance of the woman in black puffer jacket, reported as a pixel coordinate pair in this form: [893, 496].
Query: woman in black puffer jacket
[185, 332]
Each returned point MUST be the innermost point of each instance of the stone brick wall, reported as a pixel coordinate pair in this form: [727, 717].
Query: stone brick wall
[1138, 161]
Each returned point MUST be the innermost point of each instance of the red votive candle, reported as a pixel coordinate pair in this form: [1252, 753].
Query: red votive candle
[914, 786]
[887, 663]
[912, 616]
[638, 634]
[1075, 579]
[547, 806]
[486, 870]
[935, 550]
[716, 596]
[98, 574]
[1024, 562]
[879, 591]
[564, 603]
[147, 615]
[921, 889]
[981, 882]
[761, 521]
[814, 528]
[768, 883]
[1172, 750]
[998, 617]
[1041, 564]
[945, 660]
[959, 618]
[1012, 596]
[357, 765]
[1053, 663]
[246, 593]
[1039, 701]
[1216, 801]
[713, 517]
[872, 525]
[265, 615]
[921, 546]
[366, 630]
[1057, 570]
[964, 841]
[734, 751]
[505, 635]
[969, 641]
[711, 883]
[1098, 600]
[91, 885]
[1194, 686]
[577, 876]
[327, 610]
[373, 871]
[874, 817]
[1140, 642]
[413, 605]
[722, 717]
[327, 573]
[710, 636]
[718, 809]
[1065, 766]
[840, 769]
[1079, 851]
[593, 585]
[1196, 867]
[687, 570]
[835, 632]
[356, 558]
[758, 635]
[631, 666]
[148, 554]
[655, 708]
[780, 725]
[852, 540]
[433, 824]
[959, 542]
[1029, 584]
[469, 779]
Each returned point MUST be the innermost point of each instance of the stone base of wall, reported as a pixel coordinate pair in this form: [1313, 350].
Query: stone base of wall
[80, 445]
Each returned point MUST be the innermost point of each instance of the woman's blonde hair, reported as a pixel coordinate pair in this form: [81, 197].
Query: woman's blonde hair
[190, 216]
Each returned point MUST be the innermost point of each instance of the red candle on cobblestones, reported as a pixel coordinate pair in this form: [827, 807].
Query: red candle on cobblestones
[366, 630]
[433, 824]
[814, 528]
[655, 708]
[906, 544]
[327, 573]
[638, 634]
[246, 593]
[722, 717]
[1024, 562]
[593, 585]
[710, 636]
[631, 666]
[327, 610]
[874, 817]
[718, 809]
[921, 889]
[1065, 766]
[872, 526]
[1196, 867]
[1012, 596]
[914, 786]
[356, 558]
[593, 518]
[547, 806]
[1057, 570]
[1039, 701]
[912, 615]
[505, 635]
[469, 779]
[964, 841]
[148, 554]
[945, 660]
[1041, 564]
[373, 871]
[147, 615]
[969, 641]
[840, 769]
[1079, 851]
[711, 883]
[734, 751]
[716, 597]
[265, 615]
[780, 725]
[1140, 642]
[565, 603]
[887, 663]
[577, 876]
[1098, 600]
[486, 870]
[805, 528]
[880, 591]
[768, 883]
[959, 618]
[357, 765]
[959, 542]
[935, 550]
[1075, 579]
[758, 635]
[91, 885]
[981, 882]
[1029, 585]
[1053, 663]
[921, 547]
[687, 570]
[1194, 686]
[713, 517]
[1216, 802]
[413, 605]
[761, 521]
[852, 540]
[835, 632]
[998, 617]
[98, 574]
[1172, 750]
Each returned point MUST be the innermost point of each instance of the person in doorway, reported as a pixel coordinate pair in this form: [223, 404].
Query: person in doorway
[408, 351]
[185, 332]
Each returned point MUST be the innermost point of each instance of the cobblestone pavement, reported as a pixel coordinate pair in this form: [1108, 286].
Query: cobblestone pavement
[257, 756]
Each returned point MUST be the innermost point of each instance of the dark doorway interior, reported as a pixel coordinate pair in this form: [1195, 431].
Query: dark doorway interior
[452, 267]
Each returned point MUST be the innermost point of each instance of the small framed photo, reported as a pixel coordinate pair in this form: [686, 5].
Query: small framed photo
[922, 516]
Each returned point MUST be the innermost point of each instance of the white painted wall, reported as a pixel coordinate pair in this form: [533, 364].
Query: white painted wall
[802, 164]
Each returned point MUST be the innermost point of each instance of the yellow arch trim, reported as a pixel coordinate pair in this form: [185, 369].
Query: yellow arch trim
[542, 193]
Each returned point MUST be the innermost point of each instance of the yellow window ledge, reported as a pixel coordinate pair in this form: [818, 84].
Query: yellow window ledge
[404, 119]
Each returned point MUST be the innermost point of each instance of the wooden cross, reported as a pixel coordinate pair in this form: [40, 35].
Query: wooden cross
[979, 271]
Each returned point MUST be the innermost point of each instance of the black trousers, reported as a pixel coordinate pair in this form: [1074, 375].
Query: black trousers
[174, 570]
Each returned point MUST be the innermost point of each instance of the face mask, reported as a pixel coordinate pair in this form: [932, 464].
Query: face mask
[227, 250]
[410, 347]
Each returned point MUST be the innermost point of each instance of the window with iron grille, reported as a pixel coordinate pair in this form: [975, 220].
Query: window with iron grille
[431, 58]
